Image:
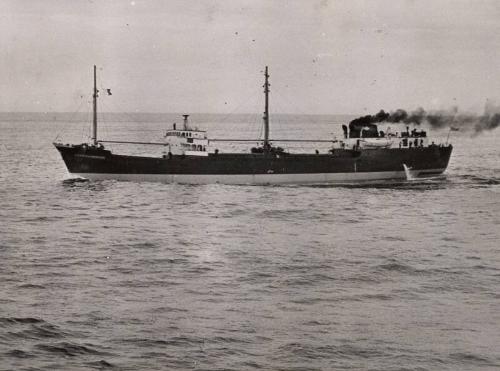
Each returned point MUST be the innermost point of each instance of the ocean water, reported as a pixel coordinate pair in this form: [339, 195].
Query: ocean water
[146, 276]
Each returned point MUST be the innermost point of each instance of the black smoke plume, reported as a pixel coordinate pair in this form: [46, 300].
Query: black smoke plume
[382, 116]
[441, 119]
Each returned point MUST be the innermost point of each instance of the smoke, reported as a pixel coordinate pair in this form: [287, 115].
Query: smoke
[439, 119]
[490, 119]
[382, 116]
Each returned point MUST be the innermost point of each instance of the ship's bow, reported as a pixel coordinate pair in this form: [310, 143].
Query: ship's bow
[81, 159]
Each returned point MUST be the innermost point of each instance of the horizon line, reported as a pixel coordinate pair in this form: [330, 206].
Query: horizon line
[178, 113]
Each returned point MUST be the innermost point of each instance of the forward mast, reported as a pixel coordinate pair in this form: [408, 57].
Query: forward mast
[94, 107]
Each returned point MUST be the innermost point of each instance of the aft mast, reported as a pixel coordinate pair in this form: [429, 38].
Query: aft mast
[94, 121]
[266, 112]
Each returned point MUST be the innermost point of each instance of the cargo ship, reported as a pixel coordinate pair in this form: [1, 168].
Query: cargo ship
[188, 155]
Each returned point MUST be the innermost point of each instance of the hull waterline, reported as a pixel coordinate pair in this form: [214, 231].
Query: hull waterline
[324, 178]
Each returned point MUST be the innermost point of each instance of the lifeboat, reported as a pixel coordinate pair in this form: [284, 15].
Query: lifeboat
[376, 143]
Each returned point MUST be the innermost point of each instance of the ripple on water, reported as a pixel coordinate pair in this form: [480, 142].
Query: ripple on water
[68, 349]
[18, 353]
[472, 359]
[22, 320]
[395, 266]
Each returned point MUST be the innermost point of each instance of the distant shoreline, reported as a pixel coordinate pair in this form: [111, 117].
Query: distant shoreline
[159, 117]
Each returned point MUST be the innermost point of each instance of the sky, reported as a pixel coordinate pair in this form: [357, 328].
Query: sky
[324, 56]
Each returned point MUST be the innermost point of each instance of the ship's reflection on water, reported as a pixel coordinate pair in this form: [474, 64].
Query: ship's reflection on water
[428, 183]
[438, 182]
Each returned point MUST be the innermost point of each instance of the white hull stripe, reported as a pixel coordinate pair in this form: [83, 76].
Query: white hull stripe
[317, 178]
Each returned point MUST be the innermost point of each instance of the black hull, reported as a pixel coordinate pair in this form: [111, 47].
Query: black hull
[388, 162]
